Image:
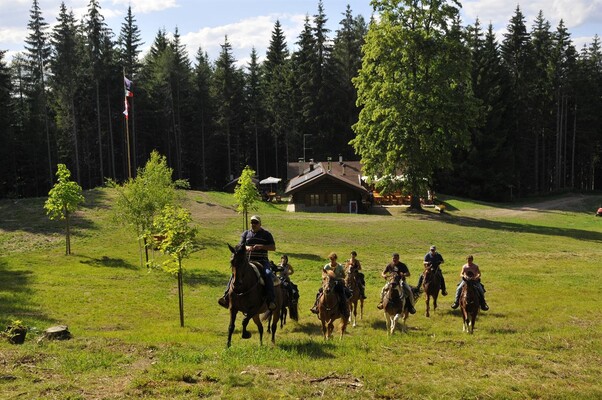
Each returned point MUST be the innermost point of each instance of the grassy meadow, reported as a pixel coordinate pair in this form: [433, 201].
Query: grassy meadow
[542, 338]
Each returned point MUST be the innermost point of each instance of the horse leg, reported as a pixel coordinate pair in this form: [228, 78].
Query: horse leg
[394, 323]
[245, 333]
[388, 323]
[257, 320]
[231, 326]
[428, 307]
[275, 318]
[330, 328]
[435, 301]
[324, 329]
[343, 328]
[361, 308]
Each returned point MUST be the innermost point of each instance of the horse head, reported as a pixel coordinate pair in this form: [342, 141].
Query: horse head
[328, 282]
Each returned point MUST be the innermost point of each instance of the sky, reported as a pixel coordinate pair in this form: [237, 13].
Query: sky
[249, 23]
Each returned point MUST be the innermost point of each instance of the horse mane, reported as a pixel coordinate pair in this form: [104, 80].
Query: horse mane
[330, 274]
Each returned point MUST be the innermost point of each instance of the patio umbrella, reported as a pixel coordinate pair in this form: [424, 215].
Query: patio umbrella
[270, 180]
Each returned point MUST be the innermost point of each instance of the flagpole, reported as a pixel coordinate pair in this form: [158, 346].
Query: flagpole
[127, 127]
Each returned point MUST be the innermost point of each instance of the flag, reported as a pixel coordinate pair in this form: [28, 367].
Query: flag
[128, 87]
[126, 110]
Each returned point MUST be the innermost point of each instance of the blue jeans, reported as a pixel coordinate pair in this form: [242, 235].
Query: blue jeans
[461, 285]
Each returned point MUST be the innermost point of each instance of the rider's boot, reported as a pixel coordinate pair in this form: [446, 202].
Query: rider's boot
[443, 291]
[314, 309]
[484, 305]
[224, 301]
[363, 293]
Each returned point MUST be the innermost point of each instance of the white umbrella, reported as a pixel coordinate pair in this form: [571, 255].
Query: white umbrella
[269, 180]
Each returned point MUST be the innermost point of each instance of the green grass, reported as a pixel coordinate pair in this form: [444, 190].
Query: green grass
[541, 264]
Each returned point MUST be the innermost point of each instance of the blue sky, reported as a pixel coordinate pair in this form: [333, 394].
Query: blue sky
[249, 23]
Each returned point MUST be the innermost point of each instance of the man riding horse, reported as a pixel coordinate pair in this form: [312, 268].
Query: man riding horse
[257, 242]
[433, 259]
[397, 267]
[471, 273]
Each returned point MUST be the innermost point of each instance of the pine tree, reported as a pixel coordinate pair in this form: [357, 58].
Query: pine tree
[37, 49]
[8, 176]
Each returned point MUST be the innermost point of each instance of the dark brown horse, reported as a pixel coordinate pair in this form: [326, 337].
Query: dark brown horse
[352, 282]
[470, 304]
[246, 294]
[290, 304]
[394, 304]
[329, 305]
[273, 316]
[432, 285]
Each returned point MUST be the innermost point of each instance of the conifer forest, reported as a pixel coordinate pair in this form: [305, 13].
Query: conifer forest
[82, 95]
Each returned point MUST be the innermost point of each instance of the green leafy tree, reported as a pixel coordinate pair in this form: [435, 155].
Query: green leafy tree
[141, 199]
[246, 194]
[177, 240]
[415, 89]
[63, 199]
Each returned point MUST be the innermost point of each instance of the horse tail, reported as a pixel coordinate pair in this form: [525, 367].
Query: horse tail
[266, 315]
[293, 311]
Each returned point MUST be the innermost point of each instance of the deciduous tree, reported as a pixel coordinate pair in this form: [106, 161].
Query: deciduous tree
[63, 199]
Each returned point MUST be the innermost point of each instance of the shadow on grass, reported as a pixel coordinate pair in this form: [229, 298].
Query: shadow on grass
[578, 234]
[208, 278]
[15, 295]
[310, 348]
[30, 216]
[105, 261]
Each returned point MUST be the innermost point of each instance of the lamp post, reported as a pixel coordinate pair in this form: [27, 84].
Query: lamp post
[304, 146]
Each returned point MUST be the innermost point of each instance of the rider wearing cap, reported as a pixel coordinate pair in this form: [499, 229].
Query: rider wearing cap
[434, 259]
[396, 266]
[258, 242]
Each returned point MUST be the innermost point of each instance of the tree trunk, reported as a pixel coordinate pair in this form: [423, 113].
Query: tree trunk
[67, 236]
[181, 293]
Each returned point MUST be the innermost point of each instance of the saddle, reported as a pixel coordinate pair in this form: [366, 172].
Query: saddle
[256, 267]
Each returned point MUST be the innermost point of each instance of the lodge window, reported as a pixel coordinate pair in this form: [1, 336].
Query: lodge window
[337, 199]
[314, 199]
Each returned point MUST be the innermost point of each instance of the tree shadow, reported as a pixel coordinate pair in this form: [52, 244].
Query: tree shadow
[310, 348]
[206, 278]
[15, 294]
[105, 261]
[471, 222]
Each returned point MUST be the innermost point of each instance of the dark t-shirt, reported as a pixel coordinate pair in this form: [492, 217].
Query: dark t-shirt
[435, 259]
[398, 267]
[249, 238]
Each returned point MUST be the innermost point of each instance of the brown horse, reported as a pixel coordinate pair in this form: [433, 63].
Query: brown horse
[329, 306]
[273, 316]
[394, 304]
[352, 282]
[470, 304]
[246, 295]
[432, 285]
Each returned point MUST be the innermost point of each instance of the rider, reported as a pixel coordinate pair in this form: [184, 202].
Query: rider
[285, 270]
[400, 268]
[257, 242]
[355, 265]
[434, 259]
[471, 272]
[339, 273]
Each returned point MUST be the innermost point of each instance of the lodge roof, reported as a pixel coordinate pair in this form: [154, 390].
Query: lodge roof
[302, 174]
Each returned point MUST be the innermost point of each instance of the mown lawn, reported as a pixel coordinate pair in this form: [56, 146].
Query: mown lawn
[541, 263]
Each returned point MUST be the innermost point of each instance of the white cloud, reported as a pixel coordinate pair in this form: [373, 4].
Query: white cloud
[13, 35]
[573, 12]
[243, 36]
[147, 6]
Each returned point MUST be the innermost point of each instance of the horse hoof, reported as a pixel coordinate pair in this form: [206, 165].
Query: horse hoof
[246, 335]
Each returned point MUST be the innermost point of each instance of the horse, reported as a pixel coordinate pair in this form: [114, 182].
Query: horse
[273, 316]
[329, 306]
[394, 304]
[352, 282]
[290, 304]
[246, 295]
[432, 285]
[470, 303]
